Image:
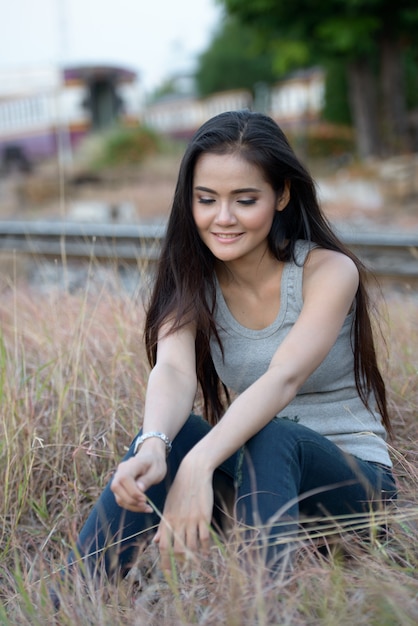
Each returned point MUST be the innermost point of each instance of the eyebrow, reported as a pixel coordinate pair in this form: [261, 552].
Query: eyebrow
[234, 191]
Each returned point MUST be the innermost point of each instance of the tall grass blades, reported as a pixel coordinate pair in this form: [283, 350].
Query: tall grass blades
[72, 382]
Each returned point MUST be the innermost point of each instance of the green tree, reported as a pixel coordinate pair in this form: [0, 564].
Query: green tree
[234, 60]
[368, 36]
[336, 105]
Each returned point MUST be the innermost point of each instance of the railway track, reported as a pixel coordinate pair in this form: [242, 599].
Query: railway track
[386, 254]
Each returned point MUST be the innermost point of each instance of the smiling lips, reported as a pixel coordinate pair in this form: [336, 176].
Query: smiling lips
[227, 236]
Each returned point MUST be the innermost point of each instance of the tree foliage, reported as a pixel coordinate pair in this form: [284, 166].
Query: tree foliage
[234, 60]
[347, 27]
[371, 38]
[336, 105]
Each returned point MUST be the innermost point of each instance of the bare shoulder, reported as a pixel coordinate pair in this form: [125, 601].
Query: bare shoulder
[329, 269]
[319, 258]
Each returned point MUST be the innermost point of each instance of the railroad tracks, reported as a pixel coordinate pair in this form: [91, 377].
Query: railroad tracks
[386, 254]
[59, 240]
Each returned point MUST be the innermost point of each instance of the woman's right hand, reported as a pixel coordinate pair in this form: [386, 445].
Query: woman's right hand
[134, 476]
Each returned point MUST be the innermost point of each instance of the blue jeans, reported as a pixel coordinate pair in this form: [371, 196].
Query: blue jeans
[284, 473]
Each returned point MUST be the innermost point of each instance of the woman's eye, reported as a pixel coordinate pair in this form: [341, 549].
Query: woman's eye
[206, 200]
[247, 201]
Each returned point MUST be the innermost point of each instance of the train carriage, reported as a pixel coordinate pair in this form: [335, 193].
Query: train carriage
[43, 109]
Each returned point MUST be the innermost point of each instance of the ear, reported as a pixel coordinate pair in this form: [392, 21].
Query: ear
[283, 200]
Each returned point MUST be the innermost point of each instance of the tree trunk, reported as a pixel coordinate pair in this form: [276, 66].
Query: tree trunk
[363, 104]
[393, 107]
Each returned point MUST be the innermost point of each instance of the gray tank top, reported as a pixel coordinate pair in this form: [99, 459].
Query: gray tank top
[328, 402]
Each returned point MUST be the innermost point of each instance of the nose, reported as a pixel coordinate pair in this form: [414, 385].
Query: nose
[225, 215]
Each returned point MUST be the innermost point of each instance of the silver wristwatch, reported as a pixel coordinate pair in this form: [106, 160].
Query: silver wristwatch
[141, 438]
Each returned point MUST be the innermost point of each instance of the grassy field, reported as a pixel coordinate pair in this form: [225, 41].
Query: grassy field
[72, 378]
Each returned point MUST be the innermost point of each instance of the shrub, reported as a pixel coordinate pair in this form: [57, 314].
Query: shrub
[124, 146]
[324, 141]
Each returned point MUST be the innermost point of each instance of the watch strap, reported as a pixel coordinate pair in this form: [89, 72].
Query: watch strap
[141, 438]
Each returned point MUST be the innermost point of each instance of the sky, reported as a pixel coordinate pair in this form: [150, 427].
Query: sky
[157, 38]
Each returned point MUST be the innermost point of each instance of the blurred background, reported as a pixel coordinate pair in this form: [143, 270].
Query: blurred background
[97, 100]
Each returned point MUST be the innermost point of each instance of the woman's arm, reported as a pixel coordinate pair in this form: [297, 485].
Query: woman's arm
[169, 400]
[172, 383]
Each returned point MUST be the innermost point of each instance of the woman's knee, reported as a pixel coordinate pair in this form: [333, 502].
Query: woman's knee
[278, 436]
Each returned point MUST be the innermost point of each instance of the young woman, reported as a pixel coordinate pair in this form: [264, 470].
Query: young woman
[254, 295]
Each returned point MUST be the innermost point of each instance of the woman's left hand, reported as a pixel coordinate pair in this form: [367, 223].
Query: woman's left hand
[184, 529]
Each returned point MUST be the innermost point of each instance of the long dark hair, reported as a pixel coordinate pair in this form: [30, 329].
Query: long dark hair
[184, 289]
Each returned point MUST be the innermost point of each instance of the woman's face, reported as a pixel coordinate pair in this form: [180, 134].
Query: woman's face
[233, 206]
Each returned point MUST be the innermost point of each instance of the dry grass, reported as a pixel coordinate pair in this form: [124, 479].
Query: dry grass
[72, 376]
